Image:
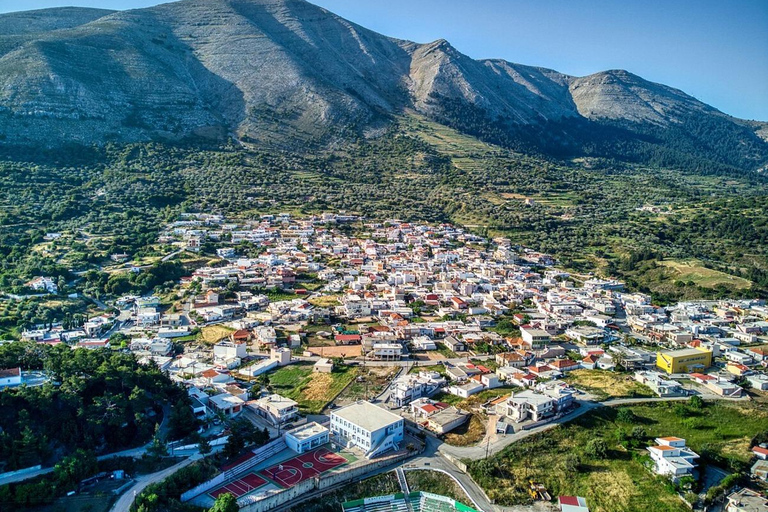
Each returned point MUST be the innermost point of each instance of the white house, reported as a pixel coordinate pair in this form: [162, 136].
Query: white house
[423, 343]
[412, 386]
[306, 437]
[672, 458]
[43, 283]
[275, 408]
[369, 427]
[467, 389]
[226, 404]
[281, 354]
[534, 337]
[529, 404]
[229, 353]
[323, 365]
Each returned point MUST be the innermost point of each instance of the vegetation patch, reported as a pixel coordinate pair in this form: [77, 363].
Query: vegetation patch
[694, 273]
[601, 454]
[313, 391]
[212, 334]
[437, 483]
[468, 433]
[604, 385]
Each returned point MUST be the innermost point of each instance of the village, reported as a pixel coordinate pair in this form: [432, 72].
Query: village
[383, 339]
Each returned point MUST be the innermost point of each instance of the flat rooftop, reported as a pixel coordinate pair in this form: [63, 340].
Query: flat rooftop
[307, 431]
[367, 416]
[684, 352]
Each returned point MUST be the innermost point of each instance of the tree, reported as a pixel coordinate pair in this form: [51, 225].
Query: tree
[74, 468]
[225, 503]
[597, 448]
[625, 415]
[696, 402]
[638, 433]
[235, 443]
[158, 448]
[182, 421]
[204, 446]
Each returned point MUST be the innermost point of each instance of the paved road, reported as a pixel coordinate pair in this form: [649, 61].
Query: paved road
[123, 504]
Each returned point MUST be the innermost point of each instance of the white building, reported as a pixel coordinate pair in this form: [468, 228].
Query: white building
[368, 427]
[323, 365]
[228, 350]
[226, 404]
[467, 389]
[534, 337]
[275, 408]
[10, 377]
[306, 437]
[412, 386]
[672, 458]
[387, 351]
[659, 384]
[423, 343]
[529, 404]
[282, 355]
[265, 335]
[43, 284]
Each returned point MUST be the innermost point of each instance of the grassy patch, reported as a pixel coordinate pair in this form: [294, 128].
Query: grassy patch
[278, 295]
[375, 379]
[604, 385]
[693, 271]
[325, 301]
[311, 390]
[445, 351]
[468, 433]
[214, 333]
[436, 482]
[559, 458]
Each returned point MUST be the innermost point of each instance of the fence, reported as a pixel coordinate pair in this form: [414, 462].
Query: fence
[260, 454]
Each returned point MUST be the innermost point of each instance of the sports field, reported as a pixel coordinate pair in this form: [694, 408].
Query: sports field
[308, 465]
[240, 487]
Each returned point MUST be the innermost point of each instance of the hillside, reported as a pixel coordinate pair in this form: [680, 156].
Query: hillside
[288, 74]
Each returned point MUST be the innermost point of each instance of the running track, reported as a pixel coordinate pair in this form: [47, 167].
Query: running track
[303, 467]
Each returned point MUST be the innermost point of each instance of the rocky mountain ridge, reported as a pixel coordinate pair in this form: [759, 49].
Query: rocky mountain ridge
[285, 72]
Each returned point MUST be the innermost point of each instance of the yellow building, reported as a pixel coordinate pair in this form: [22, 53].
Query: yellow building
[685, 360]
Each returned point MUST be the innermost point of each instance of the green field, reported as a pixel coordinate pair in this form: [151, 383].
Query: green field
[692, 271]
[559, 458]
[604, 385]
[312, 391]
[436, 482]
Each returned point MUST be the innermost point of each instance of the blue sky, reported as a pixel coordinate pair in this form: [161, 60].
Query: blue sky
[715, 50]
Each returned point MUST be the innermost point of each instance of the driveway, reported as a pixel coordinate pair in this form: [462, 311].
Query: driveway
[123, 504]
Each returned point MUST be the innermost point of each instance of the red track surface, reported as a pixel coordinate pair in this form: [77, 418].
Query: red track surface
[241, 486]
[303, 467]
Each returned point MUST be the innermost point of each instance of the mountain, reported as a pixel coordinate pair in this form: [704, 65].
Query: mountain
[286, 73]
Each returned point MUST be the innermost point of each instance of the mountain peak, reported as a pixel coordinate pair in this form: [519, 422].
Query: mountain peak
[286, 72]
